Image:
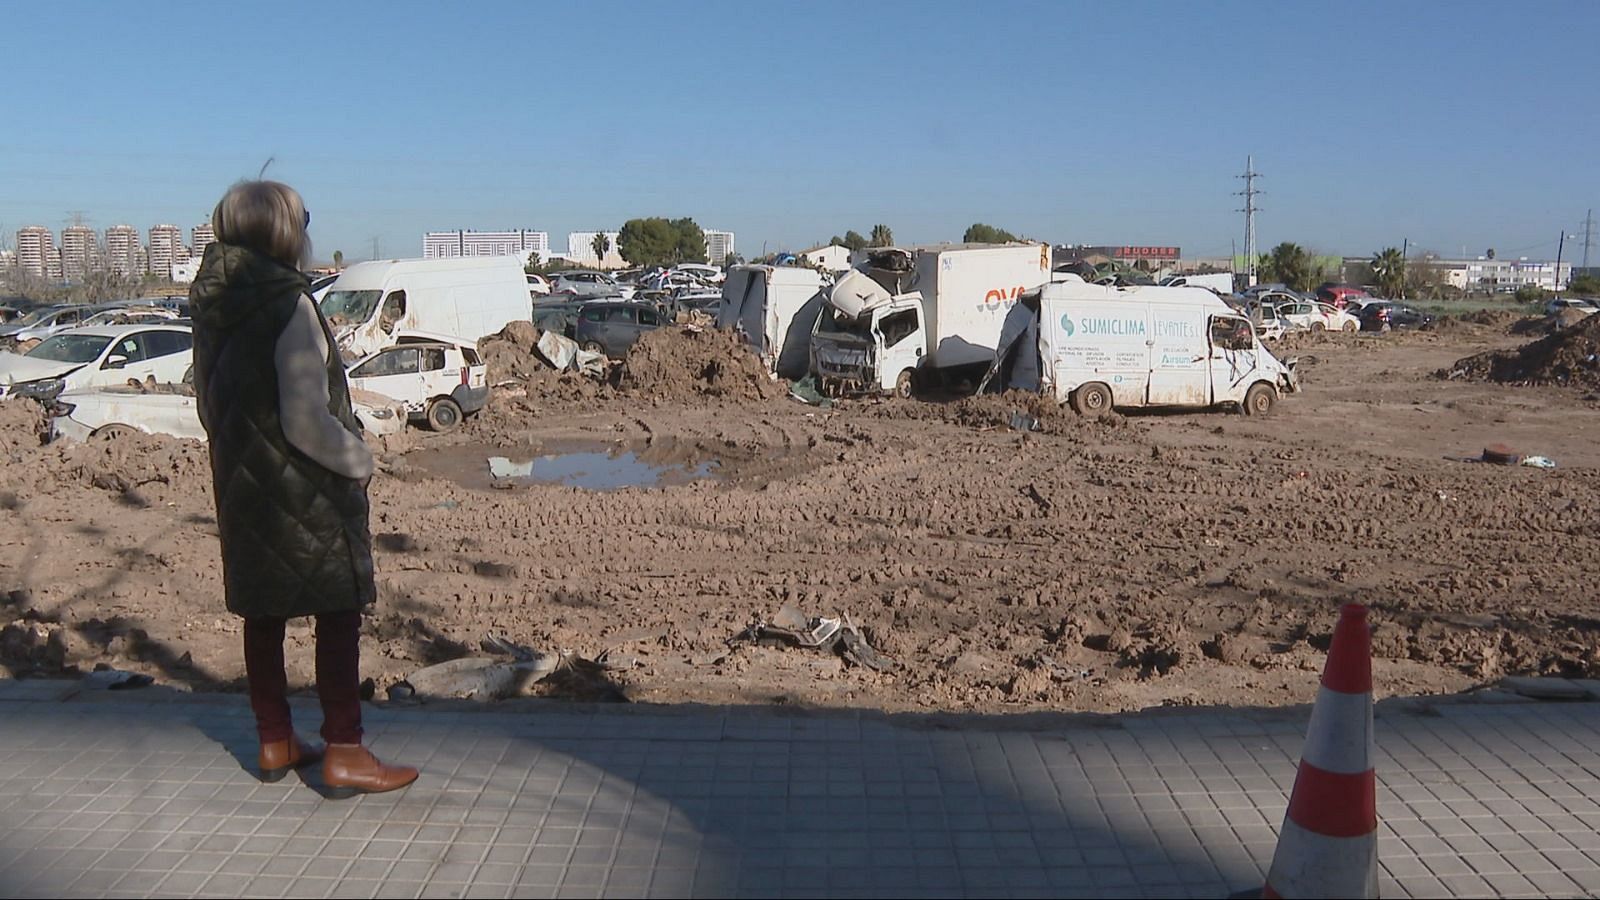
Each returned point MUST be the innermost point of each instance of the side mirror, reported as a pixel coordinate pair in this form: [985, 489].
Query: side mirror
[116, 361]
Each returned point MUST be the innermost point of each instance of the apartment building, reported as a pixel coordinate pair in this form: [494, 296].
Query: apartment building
[36, 252]
[123, 251]
[520, 242]
[719, 246]
[200, 236]
[80, 252]
[580, 249]
[166, 249]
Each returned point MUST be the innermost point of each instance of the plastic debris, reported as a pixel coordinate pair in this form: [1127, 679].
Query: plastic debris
[1539, 462]
[792, 628]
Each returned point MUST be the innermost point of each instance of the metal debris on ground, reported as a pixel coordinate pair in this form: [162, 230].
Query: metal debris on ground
[1539, 462]
[792, 628]
[805, 390]
[483, 678]
[116, 679]
[1021, 421]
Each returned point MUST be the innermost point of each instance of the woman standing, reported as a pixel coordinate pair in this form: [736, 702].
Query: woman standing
[290, 474]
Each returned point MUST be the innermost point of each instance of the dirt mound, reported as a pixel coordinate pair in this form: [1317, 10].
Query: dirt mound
[1015, 410]
[1302, 340]
[23, 426]
[680, 363]
[1533, 325]
[1478, 320]
[509, 353]
[1570, 356]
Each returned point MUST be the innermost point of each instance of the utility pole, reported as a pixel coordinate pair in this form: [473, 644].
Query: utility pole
[1250, 209]
[1588, 236]
[375, 247]
[1562, 245]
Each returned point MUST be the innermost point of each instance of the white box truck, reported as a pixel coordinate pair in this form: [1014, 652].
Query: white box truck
[467, 298]
[904, 317]
[1099, 347]
[776, 308]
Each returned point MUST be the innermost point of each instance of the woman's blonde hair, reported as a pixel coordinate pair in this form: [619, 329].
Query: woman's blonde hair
[266, 216]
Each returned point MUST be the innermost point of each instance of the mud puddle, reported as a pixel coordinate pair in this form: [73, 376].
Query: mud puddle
[587, 465]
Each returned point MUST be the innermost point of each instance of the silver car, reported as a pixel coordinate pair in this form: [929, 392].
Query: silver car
[582, 283]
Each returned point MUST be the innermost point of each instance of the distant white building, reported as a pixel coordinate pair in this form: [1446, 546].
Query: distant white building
[450, 244]
[1505, 275]
[36, 252]
[185, 272]
[80, 252]
[123, 250]
[832, 257]
[719, 246]
[580, 249]
[200, 237]
[166, 249]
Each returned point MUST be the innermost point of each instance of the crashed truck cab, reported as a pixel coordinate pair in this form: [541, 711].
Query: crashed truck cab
[868, 340]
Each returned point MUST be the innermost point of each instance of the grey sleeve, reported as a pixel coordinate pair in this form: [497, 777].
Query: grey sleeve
[302, 360]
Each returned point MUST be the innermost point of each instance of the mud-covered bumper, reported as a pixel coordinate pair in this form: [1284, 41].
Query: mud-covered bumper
[1289, 381]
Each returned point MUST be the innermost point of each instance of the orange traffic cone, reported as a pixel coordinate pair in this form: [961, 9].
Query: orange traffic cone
[1328, 846]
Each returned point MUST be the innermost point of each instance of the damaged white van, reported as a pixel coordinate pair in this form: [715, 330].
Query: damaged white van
[1099, 347]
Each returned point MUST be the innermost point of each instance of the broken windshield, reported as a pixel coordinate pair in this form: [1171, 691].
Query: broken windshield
[347, 307]
[835, 324]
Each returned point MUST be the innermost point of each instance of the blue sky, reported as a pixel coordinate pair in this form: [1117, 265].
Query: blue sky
[1456, 125]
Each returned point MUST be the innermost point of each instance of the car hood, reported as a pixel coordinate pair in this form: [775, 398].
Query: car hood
[16, 369]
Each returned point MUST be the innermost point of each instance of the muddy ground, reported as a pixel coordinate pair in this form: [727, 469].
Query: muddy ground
[1113, 564]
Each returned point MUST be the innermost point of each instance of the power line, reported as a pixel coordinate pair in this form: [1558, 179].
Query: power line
[1250, 209]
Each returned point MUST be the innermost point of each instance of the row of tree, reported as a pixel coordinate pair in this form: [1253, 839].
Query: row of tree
[881, 236]
[1389, 271]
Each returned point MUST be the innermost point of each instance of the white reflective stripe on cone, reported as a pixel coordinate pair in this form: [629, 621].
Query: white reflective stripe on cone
[1340, 738]
[1314, 865]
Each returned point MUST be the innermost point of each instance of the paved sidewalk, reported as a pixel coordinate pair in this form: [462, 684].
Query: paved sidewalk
[142, 793]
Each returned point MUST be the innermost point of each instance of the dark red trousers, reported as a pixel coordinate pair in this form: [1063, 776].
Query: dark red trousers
[338, 677]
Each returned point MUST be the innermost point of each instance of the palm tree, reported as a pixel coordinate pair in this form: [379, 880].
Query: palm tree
[602, 246]
[1390, 268]
[338, 259]
[881, 236]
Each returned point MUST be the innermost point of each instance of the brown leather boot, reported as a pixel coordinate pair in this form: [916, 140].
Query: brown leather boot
[278, 757]
[350, 769]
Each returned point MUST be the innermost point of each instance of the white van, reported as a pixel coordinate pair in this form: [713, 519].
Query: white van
[776, 309]
[467, 298]
[1100, 346]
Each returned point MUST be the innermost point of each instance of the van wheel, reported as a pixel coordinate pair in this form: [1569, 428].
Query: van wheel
[1259, 400]
[1091, 399]
[905, 385]
[594, 347]
[444, 414]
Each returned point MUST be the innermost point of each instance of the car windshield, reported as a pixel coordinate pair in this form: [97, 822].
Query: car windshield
[70, 348]
[35, 317]
[346, 307]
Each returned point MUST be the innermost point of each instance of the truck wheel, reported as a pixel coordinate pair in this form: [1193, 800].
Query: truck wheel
[112, 432]
[1091, 399]
[1352, 326]
[1259, 400]
[905, 385]
[444, 414]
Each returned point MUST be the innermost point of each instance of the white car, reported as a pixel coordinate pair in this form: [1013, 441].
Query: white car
[1305, 316]
[1559, 304]
[105, 413]
[439, 380]
[86, 357]
[538, 285]
[707, 274]
[133, 315]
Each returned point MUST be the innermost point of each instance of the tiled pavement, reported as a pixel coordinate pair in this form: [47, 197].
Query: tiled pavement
[142, 793]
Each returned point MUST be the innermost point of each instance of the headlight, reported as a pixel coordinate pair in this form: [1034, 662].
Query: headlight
[379, 412]
[43, 389]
